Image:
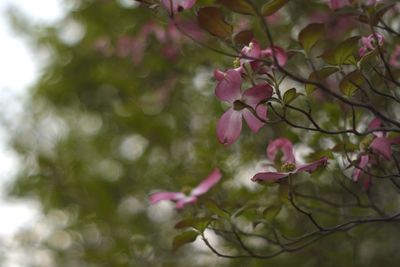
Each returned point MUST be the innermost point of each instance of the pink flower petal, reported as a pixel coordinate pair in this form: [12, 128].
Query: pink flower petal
[174, 196]
[254, 95]
[382, 146]
[252, 51]
[367, 42]
[252, 121]
[281, 144]
[310, 167]
[376, 123]
[280, 54]
[219, 75]
[229, 127]
[207, 183]
[362, 51]
[269, 176]
[358, 171]
[228, 88]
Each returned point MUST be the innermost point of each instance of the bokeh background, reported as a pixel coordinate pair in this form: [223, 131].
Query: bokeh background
[104, 103]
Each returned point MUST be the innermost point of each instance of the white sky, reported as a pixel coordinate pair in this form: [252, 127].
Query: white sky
[18, 70]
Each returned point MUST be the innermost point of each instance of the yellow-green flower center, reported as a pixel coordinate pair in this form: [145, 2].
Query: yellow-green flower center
[186, 190]
[288, 167]
[236, 63]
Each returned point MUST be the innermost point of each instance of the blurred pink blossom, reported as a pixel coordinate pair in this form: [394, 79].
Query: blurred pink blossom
[289, 165]
[182, 199]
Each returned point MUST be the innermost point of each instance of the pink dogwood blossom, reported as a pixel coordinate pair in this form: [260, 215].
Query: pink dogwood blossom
[175, 6]
[229, 90]
[364, 160]
[182, 199]
[253, 51]
[289, 165]
[381, 144]
[369, 43]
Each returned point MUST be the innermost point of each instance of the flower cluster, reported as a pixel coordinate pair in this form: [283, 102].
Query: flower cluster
[247, 104]
[181, 199]
[288, 165]
[242, 104]
[370, 42]
[381, 145]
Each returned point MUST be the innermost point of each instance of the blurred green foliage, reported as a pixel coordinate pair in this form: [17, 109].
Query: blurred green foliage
[102, 131]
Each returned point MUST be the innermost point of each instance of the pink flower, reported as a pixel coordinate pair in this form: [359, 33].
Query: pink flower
[253, 51]
[364, 160]
[182, 199]
[369, 43]
[381, 145]
[395, 57]
[175, 6]
[289, 165]
[229, 90]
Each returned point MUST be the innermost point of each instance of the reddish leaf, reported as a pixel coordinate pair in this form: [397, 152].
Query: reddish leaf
[212, 20]
[244, 37]
[272, 6]
[184, 238]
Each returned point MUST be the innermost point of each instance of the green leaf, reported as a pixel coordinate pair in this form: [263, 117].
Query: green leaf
[319, 76]
[345, 146]
[199, 224]
[238, 6]
[243, 209]
[310, 35]
[368, 58]
[283, 192]
[290, 95]
[344, 53]
[183, 239]
[243, 37]
[351, 82]
[319, 154]
[213, 207]
[272, 6]
[272, 211]
[212, 20]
